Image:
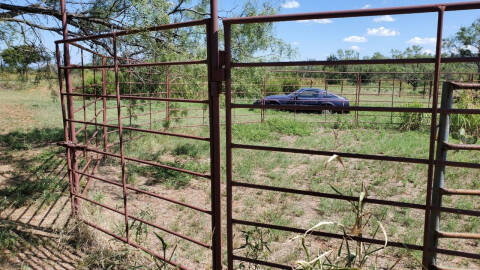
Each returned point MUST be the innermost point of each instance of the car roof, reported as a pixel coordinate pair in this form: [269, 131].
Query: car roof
[318, 89]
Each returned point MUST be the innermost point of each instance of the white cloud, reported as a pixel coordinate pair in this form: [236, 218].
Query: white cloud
[295, 43]
[384, 18]
[422, 41]
[290, 4]
[321, 21]
[367, 6]
[355, 48]
[428, 51]
[382, 31]
[355, 39]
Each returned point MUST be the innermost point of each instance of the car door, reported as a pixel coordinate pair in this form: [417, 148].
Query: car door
[308, 97]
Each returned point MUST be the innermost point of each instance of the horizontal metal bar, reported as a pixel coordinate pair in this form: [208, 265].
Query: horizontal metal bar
[146, 192]
[458, 253]
[135, 31]
[454, 146]
[327, 234]
[143, 130]
[331, 153]
[353, 13]
[330, 195]
[176, 63]
[439, 267]
[459, 111]
[473, 213]
[320, 108]
[85, 106]
[448, 191]
[367, 72]
[171, 232]
[354, 62]
[464, 85]
[99, 204]
[118, 237]
[151, 163]
[260, 262]
[459, 164]
[459, 235]
[137, 98]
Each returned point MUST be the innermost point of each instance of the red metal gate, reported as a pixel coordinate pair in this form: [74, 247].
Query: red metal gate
[97, 144]
[430, 230]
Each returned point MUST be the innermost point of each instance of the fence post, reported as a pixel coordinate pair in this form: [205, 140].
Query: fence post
[430, 92]
[357, 97]
[262, 111]
[379, 86]
[341, 89]
[393, 94]
[215, 76]
[400, 89]
[424, 88]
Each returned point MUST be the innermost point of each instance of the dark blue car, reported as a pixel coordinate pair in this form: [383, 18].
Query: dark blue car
[308, 97]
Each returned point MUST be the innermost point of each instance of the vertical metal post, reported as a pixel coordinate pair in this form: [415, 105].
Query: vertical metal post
[400, 89]
[439, 174]
[379, 86]
[65, 129]
[167, 104]
[104, 99]
[357, 97]
[393, 94]
[85, 133]
[214, 87]
[262, 111]
[341, 89]
[120, 136]
[95, 104]
[424, 88]
[228, 144]
[428, 252]
[130, 103]
[71, 115]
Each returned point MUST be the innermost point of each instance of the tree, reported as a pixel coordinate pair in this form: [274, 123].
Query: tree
[27, 20]
[20, 57]
[466, 42]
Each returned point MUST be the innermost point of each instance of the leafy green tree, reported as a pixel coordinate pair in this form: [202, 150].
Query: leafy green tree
[466, 42]
[18, 58]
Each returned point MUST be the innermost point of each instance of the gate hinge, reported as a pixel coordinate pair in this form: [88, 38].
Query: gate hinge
[220, 72]
[70, 144]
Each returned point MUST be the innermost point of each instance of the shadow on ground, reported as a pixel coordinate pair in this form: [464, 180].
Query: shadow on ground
[34, 204]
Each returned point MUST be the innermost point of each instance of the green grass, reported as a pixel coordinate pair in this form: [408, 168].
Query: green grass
[387, 180]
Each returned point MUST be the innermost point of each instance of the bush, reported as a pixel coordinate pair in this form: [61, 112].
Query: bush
[412, 120]
[470, 123]
[290, 84]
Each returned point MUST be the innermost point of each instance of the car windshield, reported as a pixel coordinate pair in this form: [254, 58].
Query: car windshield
[296, 92]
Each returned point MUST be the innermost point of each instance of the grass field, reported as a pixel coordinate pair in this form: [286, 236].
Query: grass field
[35, 191]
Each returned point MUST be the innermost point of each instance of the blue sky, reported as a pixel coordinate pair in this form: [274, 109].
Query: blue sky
[318, 39]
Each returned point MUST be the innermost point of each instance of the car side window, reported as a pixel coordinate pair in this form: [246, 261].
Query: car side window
[308, 94]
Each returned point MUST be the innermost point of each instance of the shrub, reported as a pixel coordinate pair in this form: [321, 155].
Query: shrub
[470, 123]
[411, 120]
[290, 84]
